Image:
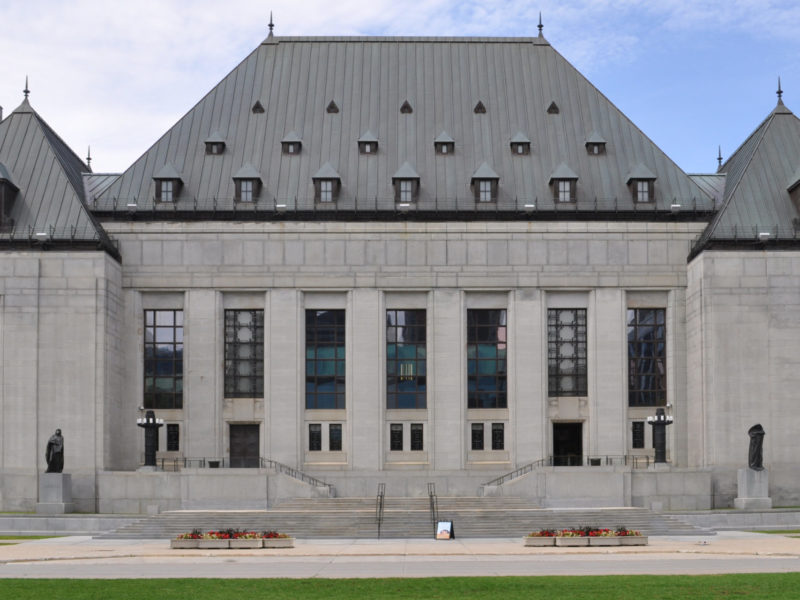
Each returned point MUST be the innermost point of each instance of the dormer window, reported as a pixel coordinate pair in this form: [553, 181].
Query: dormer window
[168, 184]
[485, 183]
[520, 144]
[595, 144]
[8, 195]
[641, 181]
[215, 144]
[406, 185]
[564, 190]
[291, 144]
[367, 143]
[643, 190]
[327, 184]
[564, 183]
[444, 144]
[793, 189]
[247, 184]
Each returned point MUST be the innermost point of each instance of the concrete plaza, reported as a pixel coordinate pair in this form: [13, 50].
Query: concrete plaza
[86, 557]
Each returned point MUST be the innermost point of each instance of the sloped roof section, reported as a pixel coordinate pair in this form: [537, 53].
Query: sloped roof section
[484, 172]
[756, 197]
[406, 171]
[563, 171]
[49, 176]
[371, 77]
[326, 171]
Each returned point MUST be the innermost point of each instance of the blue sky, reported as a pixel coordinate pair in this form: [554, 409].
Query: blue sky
[115, 75]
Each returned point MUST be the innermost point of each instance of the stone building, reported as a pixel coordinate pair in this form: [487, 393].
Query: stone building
[400, 260]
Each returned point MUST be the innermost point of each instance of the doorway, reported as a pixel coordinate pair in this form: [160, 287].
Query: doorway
[567, 444]
[244, 445]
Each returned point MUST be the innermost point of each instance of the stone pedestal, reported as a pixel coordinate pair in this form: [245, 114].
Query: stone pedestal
[753, 490]
[55, 494]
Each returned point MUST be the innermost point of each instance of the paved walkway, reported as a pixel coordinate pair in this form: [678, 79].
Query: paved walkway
[85, 557]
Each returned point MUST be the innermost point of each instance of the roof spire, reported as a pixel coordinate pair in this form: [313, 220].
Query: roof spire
[271, 24]
[779, 92]
[719, 156]
[89, 157]
[26, 91]
[540, 26]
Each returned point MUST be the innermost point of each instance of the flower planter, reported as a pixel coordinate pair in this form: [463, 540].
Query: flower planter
[246, 543]
[572, 541]
[539, 541]
[287, 542]
[633, 540]
[183, 544]
[213, 544]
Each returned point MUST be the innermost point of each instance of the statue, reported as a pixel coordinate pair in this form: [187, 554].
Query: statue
[755, 456]
[55, 453]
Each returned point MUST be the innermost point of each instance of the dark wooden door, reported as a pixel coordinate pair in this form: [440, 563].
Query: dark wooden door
[567, 444]
[244, 445]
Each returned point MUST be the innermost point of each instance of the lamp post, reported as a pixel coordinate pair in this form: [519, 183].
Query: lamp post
[659, 423]
[150, 425]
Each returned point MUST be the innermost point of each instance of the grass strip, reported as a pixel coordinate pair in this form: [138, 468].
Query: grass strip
[617, 587]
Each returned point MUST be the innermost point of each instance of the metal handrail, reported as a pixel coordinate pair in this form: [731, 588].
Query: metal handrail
[224, 462]
[576, 460]
[434, 506]
[379, 502]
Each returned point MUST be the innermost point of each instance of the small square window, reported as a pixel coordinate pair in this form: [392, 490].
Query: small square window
[215, 147]
[396, 437]
[335, 437]
[498, 436]
[416, 437]
[477, 436]
[314, 437]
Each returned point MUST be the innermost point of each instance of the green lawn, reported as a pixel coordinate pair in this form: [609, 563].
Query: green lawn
[779, 531]
[642, 587]
[7, 540]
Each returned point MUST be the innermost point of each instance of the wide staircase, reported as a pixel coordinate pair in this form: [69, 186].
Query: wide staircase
[472, 517]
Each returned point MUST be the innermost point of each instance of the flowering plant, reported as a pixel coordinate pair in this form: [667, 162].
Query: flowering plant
[216, 535]
[585, 532]
[273, 534]
[194, 534]
[246, 535]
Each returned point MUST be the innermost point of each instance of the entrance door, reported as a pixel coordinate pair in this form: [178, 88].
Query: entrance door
[244, 445]
[567, 444]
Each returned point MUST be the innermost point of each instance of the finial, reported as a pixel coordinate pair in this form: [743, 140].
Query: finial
[271, 24]
[719, 156]
[89, 157]
[26, 91]
[780, 91]
[540, 26]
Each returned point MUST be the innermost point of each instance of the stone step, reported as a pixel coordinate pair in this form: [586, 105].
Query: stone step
[405, 518]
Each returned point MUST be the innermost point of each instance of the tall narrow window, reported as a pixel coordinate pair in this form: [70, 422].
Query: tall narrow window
[314, 437]
[498, 436]
[406, 374]
[416, 437]
[566, 351]
[485, 190]
[647, 357]
[486, 358]
[406, 189]
[396, 437]
[637, 434]
[244, 353]
[173, 437]
[335, 437]
[165, 190]
[477, 436]
[246, 190]
[644, 191]
[163, 359]
[326, 190]
[325, 359]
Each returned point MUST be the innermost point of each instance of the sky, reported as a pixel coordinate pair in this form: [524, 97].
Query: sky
[693, 75]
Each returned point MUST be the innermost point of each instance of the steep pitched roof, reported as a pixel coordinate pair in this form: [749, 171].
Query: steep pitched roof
[758, 174]
[372, 76]
[49, 176]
